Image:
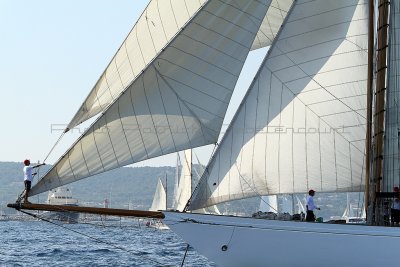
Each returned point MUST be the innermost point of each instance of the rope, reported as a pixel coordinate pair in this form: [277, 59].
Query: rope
[51, 150]
[93, 238]
[184, 257]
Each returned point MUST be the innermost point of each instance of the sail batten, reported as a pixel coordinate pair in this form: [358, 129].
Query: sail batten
[301, 124]
[175, 103]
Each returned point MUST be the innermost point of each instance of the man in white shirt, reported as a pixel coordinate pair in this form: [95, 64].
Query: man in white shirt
[28, 177]
[310, 217]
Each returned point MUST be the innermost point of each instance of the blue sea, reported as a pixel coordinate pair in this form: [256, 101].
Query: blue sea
[117, 243]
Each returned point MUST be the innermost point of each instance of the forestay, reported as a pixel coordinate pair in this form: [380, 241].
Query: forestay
[160, 198]
[177, 103]
[302, 122]
[156, 27]
[391, 169]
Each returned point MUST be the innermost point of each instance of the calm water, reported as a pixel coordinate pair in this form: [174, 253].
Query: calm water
[37, 243]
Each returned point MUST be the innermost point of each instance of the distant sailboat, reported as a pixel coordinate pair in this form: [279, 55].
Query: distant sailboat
[159, 203]
[160, 198]
[188, 176]
[305, 122]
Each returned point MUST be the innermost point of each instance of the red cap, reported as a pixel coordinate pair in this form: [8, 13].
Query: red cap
[27, 162]
[311, 191]
[396, 189]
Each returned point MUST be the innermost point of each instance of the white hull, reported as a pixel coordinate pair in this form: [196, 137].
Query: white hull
[258, 242]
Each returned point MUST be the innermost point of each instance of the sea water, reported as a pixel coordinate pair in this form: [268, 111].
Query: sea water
[118, 243]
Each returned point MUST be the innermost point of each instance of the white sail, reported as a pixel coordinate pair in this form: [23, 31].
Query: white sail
[391, 171]
[160, 198]
[184, 190]
[156, 27]
[272, 23]
[301, 124]
[177, 103]
[176, 181]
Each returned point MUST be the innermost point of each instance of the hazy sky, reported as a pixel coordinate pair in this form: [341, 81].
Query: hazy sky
[51, 55]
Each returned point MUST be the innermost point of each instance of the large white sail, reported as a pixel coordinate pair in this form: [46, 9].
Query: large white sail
[391, 169]
[177, 103]
[160, 198]
[302, 123]
[157, 26]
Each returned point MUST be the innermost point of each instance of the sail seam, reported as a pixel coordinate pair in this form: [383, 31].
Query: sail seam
[205, 61]
[151, 116]
[196, 74]
[200, 92]
[325, 12]
[166, 115]
[189, 103]
[123, 130]
[212, 47]
[111, 142]
[84, 158]
[137, 122]
[97, 148]
[179, 101]
[221, 35]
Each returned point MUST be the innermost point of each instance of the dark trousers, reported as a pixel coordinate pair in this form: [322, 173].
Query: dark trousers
[395, 214]
[310, 216]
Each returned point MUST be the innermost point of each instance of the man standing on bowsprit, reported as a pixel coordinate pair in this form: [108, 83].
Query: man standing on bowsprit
[28, 177]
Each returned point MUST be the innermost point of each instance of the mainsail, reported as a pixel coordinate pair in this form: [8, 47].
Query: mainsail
[391, 170]
[160, 22]
[177, 102]
[302, 122]
[160, 198]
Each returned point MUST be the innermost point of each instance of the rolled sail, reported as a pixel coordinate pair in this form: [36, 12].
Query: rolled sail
[391, 169]
[160, 22]
[177, 103]
[302, 122]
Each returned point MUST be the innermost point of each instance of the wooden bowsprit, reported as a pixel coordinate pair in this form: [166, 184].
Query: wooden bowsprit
[92, 210]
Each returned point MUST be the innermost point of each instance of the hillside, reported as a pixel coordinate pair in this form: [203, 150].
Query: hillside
[137, 185]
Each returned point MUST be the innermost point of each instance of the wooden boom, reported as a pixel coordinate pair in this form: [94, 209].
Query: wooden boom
[102, 211]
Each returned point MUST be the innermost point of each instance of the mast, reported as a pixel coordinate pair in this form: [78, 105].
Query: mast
[369, 102]
[379, 115]
[166, 191]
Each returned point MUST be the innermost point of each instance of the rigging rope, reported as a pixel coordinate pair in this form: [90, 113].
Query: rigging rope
[51, 150]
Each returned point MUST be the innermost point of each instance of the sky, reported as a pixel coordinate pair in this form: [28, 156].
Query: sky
[51, 55]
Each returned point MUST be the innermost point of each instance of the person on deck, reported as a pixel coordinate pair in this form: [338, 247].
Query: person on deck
[395, 210]
[310, 217]
[28, 177]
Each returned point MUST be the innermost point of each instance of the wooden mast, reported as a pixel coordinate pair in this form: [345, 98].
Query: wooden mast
[380, 94]
[369, 102]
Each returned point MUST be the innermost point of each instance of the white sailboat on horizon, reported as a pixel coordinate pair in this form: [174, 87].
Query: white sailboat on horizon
[301, 125]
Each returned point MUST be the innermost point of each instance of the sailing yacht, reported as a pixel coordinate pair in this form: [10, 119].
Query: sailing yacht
[305, 122]
[302, 124]
[159, 203]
